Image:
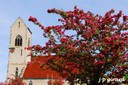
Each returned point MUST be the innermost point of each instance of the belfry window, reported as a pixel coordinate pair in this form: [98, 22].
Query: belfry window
[19, 24]
[18, 41]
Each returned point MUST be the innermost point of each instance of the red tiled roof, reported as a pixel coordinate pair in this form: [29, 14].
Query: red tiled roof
[34, 70]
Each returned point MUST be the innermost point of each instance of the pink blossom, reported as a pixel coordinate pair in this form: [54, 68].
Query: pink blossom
[127, 41]
[108, 39]
[63, 40]
[116, 37]
[33, 19]
[100, 55]
[84, 43]
[125, 18]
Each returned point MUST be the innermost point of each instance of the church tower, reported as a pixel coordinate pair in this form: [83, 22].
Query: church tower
[20, 37]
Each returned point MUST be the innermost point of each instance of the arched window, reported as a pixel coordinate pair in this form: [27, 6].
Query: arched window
[16, 72]
[30, 82]
[18, 41]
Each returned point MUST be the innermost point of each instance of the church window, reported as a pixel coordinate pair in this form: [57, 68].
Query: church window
[29, 42]
[30, 82]
[18, 41]
[19, 24]
[21, 52]
[16, 72]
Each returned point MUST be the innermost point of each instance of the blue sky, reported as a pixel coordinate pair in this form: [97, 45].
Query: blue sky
[10, 10]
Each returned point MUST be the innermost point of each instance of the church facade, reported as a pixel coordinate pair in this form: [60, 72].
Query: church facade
[19, 58]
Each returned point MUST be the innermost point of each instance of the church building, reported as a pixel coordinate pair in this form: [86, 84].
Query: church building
[19, 58]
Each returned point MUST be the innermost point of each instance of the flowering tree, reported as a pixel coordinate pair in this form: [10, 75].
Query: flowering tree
[3, 83]
[16, 81]
[86, 47]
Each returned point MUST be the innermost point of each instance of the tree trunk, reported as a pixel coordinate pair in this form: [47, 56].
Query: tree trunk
[93, 83]
[95, 80]
[71, 83]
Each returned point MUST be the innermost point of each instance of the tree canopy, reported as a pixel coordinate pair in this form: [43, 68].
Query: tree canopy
[86, 46]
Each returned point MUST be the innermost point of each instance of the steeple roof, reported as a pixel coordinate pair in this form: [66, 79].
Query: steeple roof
[20, 19]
